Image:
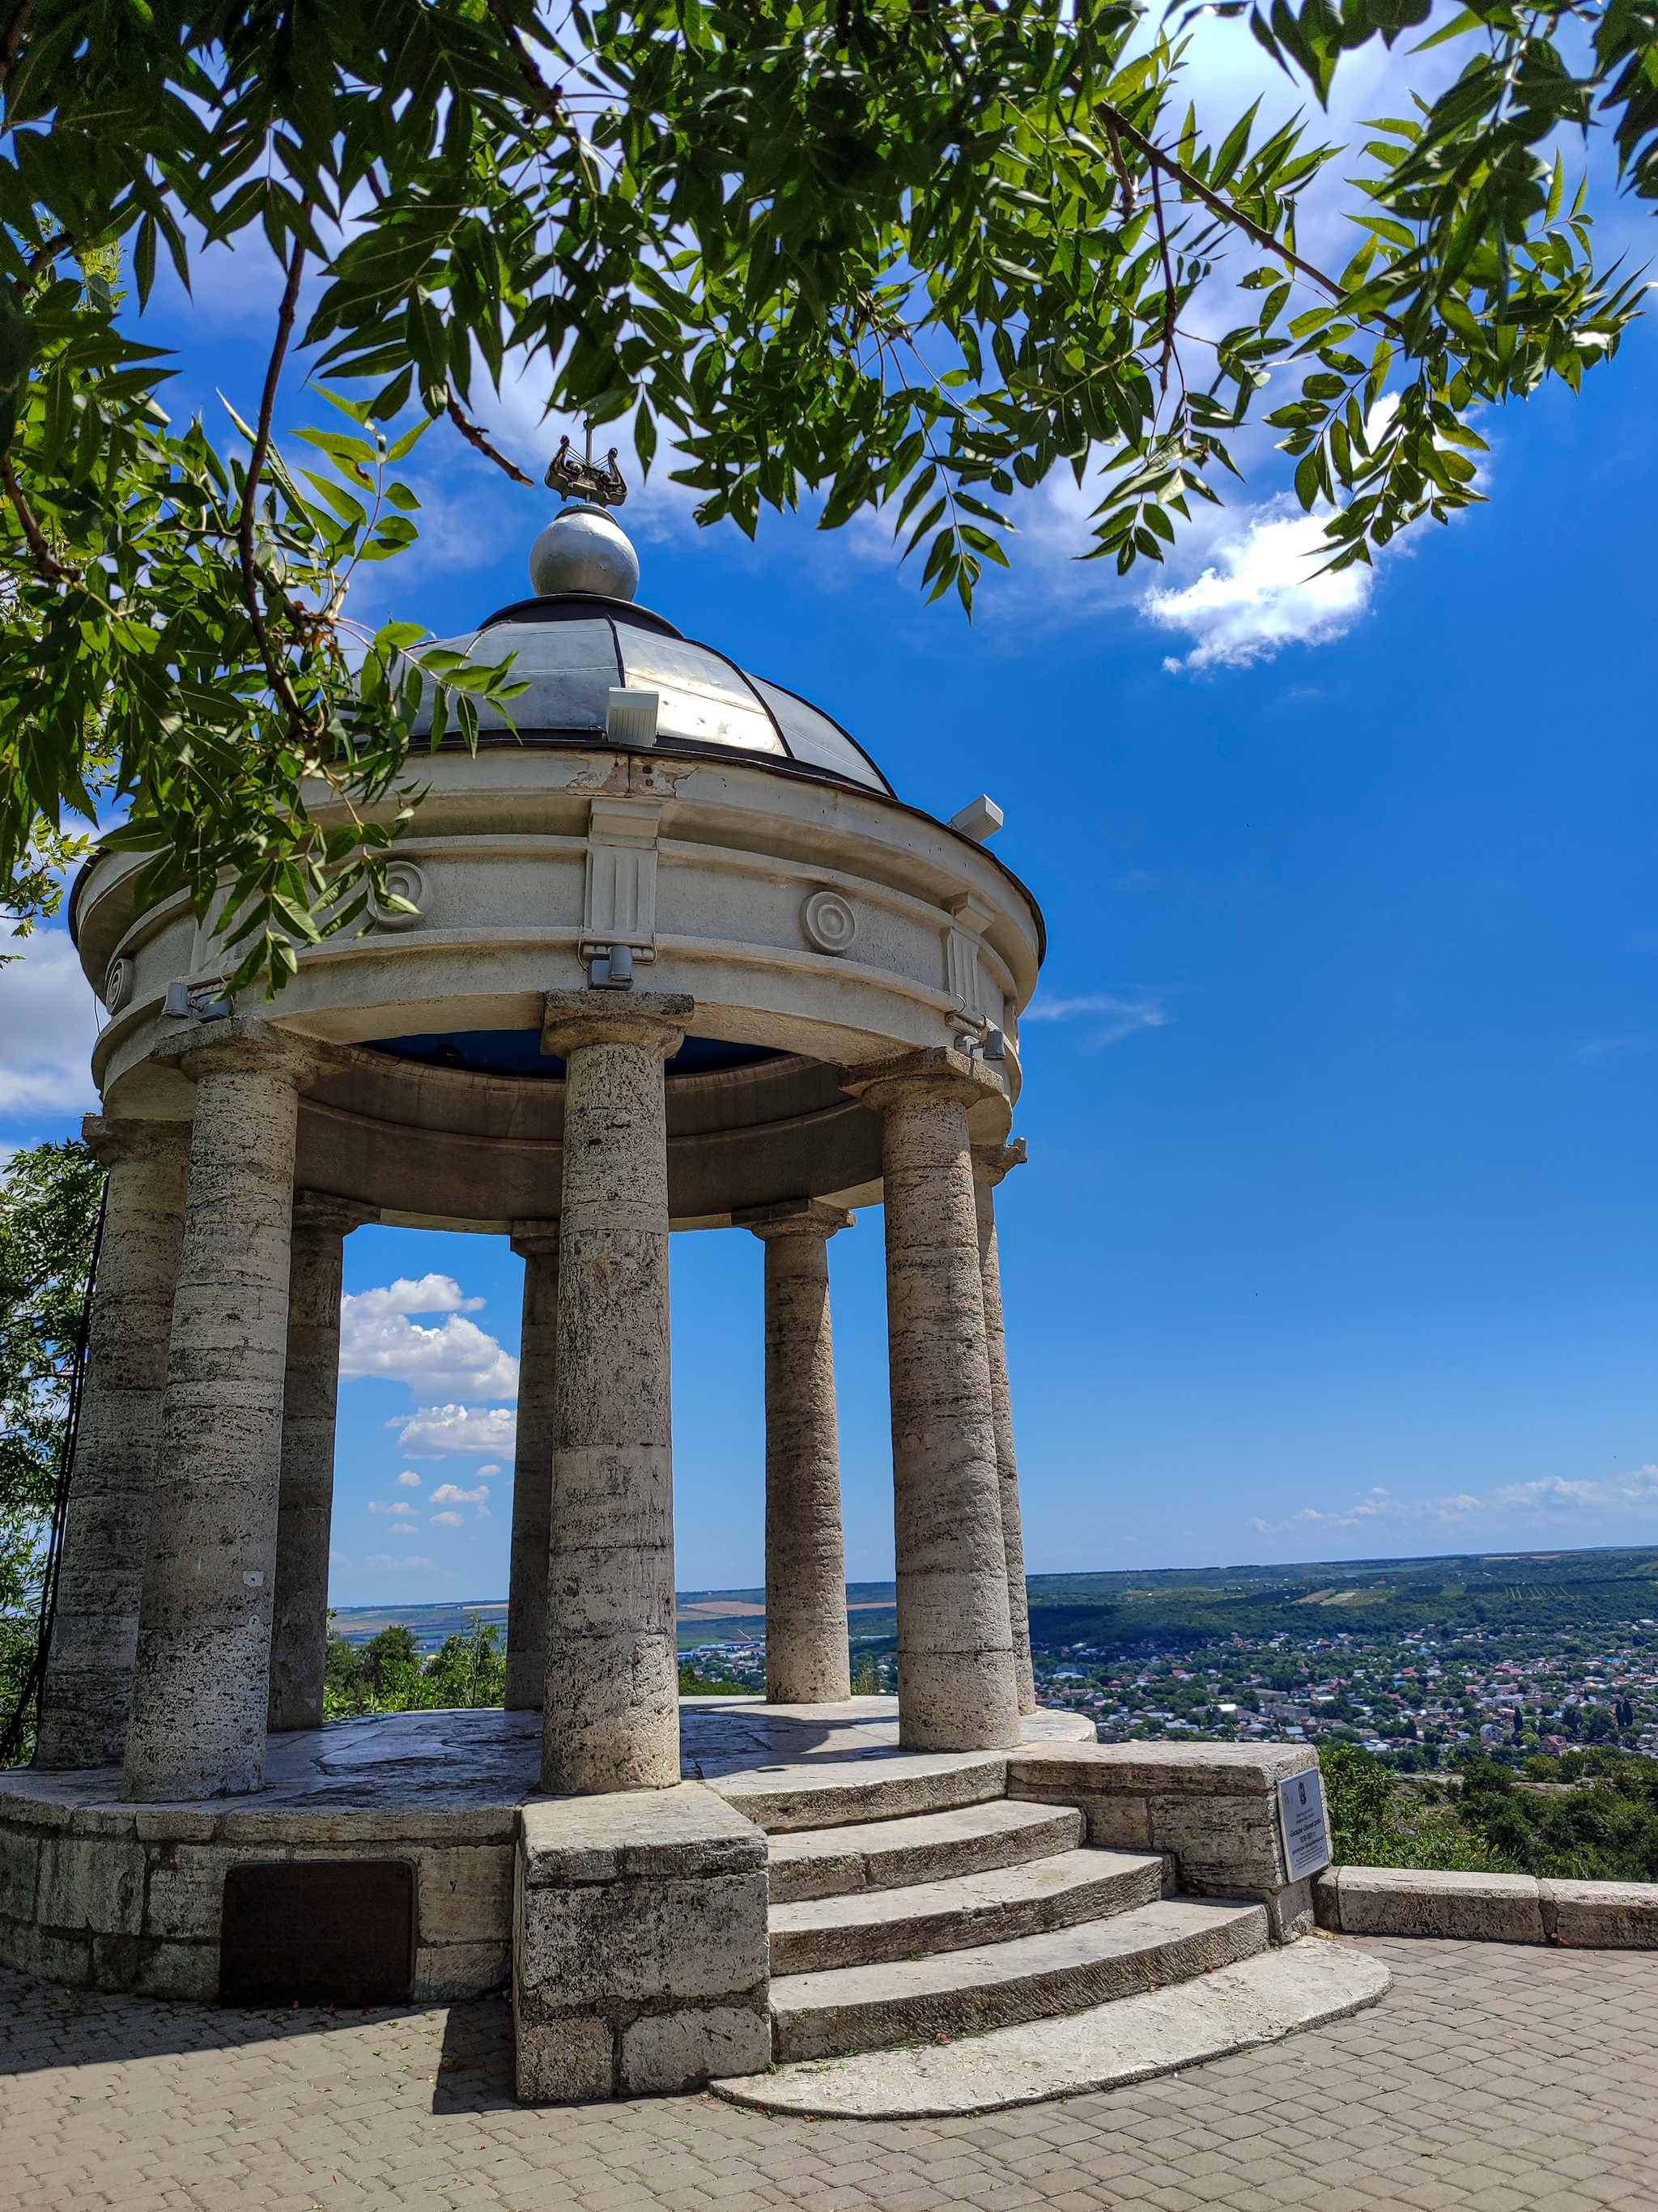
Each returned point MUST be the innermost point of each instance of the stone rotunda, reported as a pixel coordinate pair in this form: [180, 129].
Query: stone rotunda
[671, 954]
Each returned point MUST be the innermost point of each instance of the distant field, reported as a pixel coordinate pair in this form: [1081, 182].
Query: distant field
[1541, 1591]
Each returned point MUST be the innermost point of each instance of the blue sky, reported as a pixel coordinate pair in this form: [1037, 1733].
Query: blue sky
[1337, 1237]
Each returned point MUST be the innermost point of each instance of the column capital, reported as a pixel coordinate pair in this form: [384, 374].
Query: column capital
[535, 1238]
[935, 1071]
[793, 1216]
[321, 1209]
[992, 1162]
[657, 1019]
[242, 1045]
[113, 1141]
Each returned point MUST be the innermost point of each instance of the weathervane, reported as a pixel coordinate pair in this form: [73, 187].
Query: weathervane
[585, 479]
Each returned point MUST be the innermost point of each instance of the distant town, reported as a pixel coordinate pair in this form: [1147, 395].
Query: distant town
[1531, 1654]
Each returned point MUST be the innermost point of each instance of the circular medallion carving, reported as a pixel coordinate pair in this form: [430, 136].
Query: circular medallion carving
[405, 881]
[828, 921]
[117, 983]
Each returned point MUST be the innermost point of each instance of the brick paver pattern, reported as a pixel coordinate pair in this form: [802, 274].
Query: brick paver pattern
[1492, 2079]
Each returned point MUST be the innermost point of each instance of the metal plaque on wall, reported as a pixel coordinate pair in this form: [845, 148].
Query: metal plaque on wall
[1306, 1828]
[318, 1931]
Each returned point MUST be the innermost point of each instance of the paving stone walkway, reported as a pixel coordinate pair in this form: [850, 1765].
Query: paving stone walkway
[1492, 2079]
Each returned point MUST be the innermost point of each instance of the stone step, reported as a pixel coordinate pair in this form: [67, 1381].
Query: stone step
[1237, 2007]
[851, 2008]
[925, 1847]
[836, 1793]
[962, 1913]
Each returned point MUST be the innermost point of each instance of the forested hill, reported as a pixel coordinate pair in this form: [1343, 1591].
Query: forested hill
[1541, 1591]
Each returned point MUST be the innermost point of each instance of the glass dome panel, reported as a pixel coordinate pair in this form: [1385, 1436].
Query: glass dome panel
[702, 696]
[813, 736]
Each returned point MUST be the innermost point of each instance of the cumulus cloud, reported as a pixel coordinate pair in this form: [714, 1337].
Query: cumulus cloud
[447, 1520]
[1262, 592]
[410, 1481]
[397, 1505]
[48, 1026]
[491, 1469]
[1112, 1015]
[405, 1528]
[447, 1493]
[385, 1562]
[378, 1338]
[437, 1430]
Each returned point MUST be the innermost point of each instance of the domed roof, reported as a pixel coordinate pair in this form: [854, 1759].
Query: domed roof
[584, 636]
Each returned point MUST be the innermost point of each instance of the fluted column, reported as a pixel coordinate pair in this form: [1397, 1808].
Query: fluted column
[990, 1164]
[305, 1510]
[612, 1695]
[958, 1683]
[537, 1244]
[94, 1632]
[806, 1655]
[201, 1683]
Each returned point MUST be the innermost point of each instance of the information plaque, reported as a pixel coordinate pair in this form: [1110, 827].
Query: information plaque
[1306, 1829]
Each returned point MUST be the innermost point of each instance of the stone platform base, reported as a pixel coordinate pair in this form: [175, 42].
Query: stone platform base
[101, 1894]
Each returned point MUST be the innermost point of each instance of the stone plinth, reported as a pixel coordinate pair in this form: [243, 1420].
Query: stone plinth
[1213, 1807]
[639, 1945]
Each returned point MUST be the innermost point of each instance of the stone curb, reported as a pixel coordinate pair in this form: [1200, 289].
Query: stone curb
[1234, 2008]
[1488, 1908]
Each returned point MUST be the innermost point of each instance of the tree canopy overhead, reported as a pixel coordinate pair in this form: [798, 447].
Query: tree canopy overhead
[912, 255]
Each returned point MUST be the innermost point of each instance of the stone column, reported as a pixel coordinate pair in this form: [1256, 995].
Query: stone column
[990, 1164]
[202, 1684]
[958, 1686]
[806, 1655]
[94, 1631]
[612, 1696]
[537, 1244]
[305, 1510]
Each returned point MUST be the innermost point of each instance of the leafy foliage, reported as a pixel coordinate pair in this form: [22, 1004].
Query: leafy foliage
[49, 1197]
[912, 255]
[387, 1675]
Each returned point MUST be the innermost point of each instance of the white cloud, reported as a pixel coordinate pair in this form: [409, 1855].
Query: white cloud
[397, 1505]
[385, 1562]
[447, 1493]
[378, 1338]
[447, 1520]
[1607, 1047]
[405, 1528]
[1624, 1503]
[1114, 1014]
[48, 1026]
[436, 1429]
[491, 1469]
[410, 1481]
[1263, 592]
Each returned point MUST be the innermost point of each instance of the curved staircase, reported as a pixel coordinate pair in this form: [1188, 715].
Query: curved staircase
[896, 1920]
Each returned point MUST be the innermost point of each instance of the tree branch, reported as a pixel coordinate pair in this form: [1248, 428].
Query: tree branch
[1115, 120]
[45, 559]
[279, 683]
[546, 98]
[474, 436]
[47, 254]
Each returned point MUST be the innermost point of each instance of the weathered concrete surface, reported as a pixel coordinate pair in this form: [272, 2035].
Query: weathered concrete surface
[1214, 1807]
[1001, 1984]
[991, 1163]
[960, 1912]
[537, 1244]
[94, 1637]
[807, 1650]
[639, 1961]
[1488, 1908]
[1609, 1916]
[1237, 2007]
[201, 1680]
[722, 1736]
[957, 1681]
[875, 1854]
[612, 1699]
[305, 1509]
